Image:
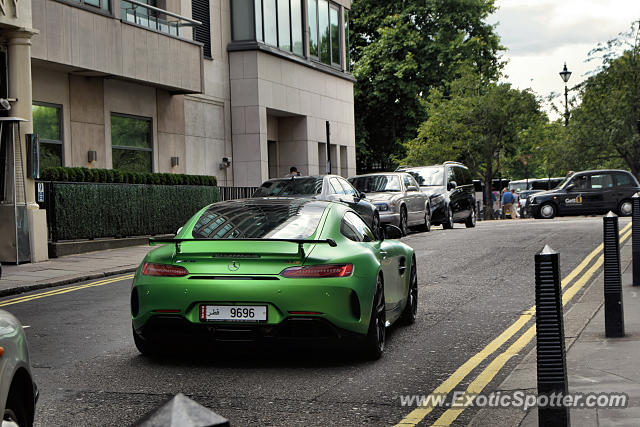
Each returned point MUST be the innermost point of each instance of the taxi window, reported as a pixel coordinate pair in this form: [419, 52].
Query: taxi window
[601, 181]
[580, 182]
[624, 180]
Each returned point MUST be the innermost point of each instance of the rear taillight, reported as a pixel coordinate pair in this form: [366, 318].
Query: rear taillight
[150, 269]
[316, 271]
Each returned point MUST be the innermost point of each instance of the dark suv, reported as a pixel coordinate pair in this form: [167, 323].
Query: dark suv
[587, 192]
[451, 192]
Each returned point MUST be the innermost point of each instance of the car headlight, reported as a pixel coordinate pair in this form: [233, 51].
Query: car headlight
[382, 207]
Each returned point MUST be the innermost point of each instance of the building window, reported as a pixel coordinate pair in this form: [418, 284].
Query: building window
[324, 32]
[47, 124]
[312, 6]
[202, 33]
[334, 23]
[101, 4]
[346, 40]
[131, 143]
[242, 23]
[277, 23]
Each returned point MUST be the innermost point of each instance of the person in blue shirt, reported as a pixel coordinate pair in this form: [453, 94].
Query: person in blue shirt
[508, 199]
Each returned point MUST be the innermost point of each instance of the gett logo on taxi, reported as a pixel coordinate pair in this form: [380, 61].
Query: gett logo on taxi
[574, 201]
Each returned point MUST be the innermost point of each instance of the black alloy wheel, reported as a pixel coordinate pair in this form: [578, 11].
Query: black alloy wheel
[411, 309]
[375, 340]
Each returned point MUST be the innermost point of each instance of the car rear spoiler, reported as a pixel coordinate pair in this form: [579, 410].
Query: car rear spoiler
[299, 242]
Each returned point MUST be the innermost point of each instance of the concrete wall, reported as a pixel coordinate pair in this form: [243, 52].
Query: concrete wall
[72, 36]
[263, 83]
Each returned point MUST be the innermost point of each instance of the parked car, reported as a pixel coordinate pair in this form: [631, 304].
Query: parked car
[523, 196]
[265, 269]
[534, 184]
[18, 392]
[332, 188]
[397, 197]
[450, 190]
[587, 192]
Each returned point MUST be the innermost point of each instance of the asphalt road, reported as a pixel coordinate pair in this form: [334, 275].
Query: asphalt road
[473, 284]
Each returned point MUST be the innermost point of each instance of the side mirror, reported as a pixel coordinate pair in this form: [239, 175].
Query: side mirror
[451, 185]
[570, 187]
[179, 230]
[390, 231]
[362, 195]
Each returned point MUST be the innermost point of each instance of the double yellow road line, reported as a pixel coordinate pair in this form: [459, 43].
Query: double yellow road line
[485, 377]
[60, 291]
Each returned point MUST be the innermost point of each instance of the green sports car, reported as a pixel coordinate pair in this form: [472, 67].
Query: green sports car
[269, 269]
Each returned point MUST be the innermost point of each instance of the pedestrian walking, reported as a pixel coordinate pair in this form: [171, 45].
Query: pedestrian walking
[507, 202]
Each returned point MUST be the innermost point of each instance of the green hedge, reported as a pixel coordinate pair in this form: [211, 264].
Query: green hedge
[62, 174]
[87, 211]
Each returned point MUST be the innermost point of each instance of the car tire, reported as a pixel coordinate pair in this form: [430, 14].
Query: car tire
[403, 221]
[145, 346]
[426, 227]
[16, 408]
[375, 226]
[625, 208]
[547, 211]
[376, 335]
[410, 311]
[448, 222]
[470, 222]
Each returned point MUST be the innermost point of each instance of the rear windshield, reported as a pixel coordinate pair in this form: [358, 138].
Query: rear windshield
[290, 187]
[297, 219]
[428, 177]
[376, 183]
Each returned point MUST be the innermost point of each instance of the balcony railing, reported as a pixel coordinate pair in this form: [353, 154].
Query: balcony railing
[155, 18]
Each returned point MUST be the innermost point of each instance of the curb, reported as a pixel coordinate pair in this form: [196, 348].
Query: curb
[61, 282]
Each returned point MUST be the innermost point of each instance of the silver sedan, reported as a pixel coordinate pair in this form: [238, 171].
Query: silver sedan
[397, 197]
[18, 393]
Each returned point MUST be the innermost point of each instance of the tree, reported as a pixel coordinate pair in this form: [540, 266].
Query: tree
[604, 129]
[401, 50]
[479, 124]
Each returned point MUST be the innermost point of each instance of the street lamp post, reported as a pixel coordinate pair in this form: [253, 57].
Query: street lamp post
[565, 74]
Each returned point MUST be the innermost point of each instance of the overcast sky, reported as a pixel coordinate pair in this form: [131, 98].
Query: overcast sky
[541, 35]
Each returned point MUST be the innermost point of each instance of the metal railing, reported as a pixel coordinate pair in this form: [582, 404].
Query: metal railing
[155, 18]
[232, 193]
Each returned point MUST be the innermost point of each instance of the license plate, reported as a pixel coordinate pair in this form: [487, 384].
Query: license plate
[233, 313]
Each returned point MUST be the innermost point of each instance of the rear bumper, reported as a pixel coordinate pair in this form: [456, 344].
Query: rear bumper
[292, 329]
[344, 303]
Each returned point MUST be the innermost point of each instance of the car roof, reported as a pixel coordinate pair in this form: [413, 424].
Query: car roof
[303, 177]
[379, 173]
[599, 170]
[275, 201]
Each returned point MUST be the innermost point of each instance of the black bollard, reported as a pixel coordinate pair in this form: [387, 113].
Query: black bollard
[635, 236]
[550, 351]
[184, 412]
[613, 310]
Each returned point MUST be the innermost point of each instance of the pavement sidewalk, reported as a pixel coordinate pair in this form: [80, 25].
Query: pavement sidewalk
[595, 364]
[70, 269]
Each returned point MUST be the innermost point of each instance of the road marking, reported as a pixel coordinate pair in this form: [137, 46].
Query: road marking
[498, 363]
[418, 414]
[32, 297]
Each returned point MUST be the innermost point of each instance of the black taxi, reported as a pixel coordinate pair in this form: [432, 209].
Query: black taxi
[587, 192]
